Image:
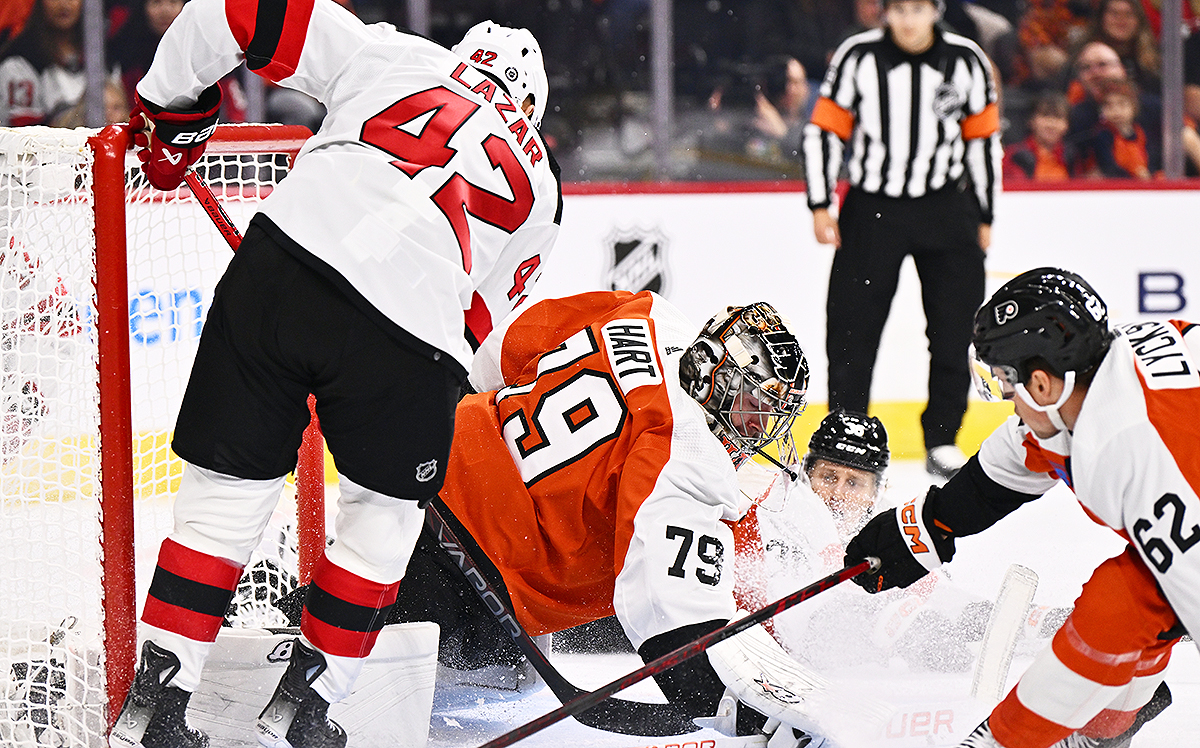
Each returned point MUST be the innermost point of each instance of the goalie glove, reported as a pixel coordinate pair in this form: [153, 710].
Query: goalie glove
[901, 539]
[761, 675]
[171, 141]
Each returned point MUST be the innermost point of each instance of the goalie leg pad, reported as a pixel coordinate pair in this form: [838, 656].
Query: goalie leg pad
[760, 674]
[397, 678]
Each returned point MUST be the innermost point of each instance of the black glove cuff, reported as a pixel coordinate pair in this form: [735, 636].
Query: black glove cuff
[186, 128]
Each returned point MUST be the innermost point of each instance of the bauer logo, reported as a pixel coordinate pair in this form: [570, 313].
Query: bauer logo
[1006, 311]
[638, 261]
[426, 471]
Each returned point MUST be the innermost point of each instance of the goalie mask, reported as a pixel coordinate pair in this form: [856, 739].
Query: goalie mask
[749, 374]
[513, 58]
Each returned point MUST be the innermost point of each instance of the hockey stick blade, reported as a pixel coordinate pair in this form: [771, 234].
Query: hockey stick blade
[671, 659]
[610, 715]
[1000, 638]
[204, 195]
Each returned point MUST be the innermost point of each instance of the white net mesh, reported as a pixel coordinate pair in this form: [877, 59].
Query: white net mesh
[52, 684]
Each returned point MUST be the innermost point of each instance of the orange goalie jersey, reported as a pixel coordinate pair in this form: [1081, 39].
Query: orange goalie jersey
[589, 475]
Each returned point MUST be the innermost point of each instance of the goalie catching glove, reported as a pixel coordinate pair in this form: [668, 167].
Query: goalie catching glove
[905, 541]
[170, 141]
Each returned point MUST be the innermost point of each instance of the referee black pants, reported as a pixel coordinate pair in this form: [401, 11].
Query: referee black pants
[941, 232]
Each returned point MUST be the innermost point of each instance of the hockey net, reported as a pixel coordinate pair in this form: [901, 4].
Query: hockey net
[104, 284]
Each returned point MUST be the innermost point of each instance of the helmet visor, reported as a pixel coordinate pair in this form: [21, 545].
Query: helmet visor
[993, 383]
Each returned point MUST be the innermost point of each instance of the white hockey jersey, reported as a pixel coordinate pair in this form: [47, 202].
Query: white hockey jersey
[1133, 457]
[426, 188]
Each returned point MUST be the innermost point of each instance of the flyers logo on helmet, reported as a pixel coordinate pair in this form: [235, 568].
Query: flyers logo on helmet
[1006, 311]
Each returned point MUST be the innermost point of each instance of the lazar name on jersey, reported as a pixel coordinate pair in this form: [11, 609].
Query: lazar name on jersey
[426, 188]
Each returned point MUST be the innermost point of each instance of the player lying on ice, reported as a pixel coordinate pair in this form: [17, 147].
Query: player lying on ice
[596, 469]
[1111, 412]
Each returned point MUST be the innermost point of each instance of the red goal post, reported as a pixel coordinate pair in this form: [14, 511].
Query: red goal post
[104, 283]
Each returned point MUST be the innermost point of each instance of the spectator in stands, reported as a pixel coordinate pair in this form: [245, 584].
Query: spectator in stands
[42, 74]
[1096, 63]
[1044, 155]
[1119, 145]
[780, 111]
[132, 48]
[116, 107]
[1122, 25]
[1047, 31]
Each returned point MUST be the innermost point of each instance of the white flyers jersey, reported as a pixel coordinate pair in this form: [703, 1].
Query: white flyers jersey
[589, 476]
[1133, 458]
[426, 188]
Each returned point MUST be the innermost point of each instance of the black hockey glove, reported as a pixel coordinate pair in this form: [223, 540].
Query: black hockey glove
[901, 540]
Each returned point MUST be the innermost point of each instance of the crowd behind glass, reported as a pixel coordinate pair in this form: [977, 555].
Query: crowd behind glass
[1081, 81]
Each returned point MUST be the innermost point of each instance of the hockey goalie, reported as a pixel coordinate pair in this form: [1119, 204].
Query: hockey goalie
[594, 474]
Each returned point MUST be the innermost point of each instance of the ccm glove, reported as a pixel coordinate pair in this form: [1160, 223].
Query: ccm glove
[902, 541]
[173, 140]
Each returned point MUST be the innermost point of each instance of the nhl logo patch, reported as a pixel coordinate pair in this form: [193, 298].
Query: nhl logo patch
[947, 100]
[1006, 311]
[638, 261]
[426, 471]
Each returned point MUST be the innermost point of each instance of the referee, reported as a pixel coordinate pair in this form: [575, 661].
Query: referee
[917, 107]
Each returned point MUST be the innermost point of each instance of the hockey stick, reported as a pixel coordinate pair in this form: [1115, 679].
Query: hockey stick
[204, 195]
[1000, 638]
[671, 659]
[611, 715]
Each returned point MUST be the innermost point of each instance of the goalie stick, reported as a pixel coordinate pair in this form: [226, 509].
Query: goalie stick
[614, 715]
[1000, 638]
[673, 658]
[611, 715]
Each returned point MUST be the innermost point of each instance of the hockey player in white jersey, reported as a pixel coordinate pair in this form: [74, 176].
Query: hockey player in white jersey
[1112, 413]
[417, 215]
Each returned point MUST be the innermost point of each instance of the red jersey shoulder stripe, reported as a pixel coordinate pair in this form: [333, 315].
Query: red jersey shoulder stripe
[271, 33]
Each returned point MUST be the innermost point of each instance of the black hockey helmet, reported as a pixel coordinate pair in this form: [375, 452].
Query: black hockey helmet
[1047, 317]
[852, 439]
[747, 371]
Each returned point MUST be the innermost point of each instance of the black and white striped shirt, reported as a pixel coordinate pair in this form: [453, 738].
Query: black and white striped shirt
[913, 122]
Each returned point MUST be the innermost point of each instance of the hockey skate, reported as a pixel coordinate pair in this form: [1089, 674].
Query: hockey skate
[297, 716]
[982, 735]
[154, 713]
